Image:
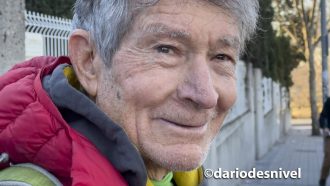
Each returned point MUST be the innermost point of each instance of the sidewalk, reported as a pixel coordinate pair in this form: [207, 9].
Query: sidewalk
[298, 150]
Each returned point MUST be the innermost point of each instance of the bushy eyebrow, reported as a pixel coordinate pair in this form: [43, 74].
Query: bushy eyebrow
[162, 29]
[228, 42]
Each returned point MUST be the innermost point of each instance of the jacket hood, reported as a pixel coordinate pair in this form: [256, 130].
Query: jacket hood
[82, 114]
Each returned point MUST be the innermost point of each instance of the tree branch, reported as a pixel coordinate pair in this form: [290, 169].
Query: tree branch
[319, 39]
[291, 35]
[313, 13]
[304, 29]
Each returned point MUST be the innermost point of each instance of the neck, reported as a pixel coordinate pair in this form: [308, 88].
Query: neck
[155, 172]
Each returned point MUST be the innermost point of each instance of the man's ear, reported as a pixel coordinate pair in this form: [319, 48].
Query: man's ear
[82, 55]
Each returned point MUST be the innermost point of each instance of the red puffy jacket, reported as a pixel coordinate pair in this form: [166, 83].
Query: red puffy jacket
[32, 129]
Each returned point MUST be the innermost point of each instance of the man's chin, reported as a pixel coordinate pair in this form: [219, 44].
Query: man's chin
[177, 157]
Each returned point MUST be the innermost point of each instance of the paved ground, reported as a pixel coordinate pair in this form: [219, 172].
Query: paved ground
[298, 150]
[305, 122]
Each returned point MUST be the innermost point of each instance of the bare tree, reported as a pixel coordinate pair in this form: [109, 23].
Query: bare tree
[299, 19]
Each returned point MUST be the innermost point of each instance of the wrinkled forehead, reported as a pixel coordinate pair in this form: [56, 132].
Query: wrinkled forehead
[167, 19]
[164, 6]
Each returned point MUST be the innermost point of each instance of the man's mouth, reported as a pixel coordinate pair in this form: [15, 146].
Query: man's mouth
[184, 128]
[187, 125]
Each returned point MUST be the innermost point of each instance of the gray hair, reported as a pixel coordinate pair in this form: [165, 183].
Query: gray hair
[108, 21]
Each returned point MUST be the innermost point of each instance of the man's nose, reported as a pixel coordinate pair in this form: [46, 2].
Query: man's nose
[198, 85]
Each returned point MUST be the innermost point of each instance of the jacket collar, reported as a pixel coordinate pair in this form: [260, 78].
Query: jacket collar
[83, 115]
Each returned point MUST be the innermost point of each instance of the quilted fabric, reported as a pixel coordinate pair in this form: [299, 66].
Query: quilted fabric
[32, 129]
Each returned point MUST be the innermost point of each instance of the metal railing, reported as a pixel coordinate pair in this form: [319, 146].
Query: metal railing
[54, 30]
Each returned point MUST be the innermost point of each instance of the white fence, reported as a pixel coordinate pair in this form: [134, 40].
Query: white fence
[241, 104]
[46, 35]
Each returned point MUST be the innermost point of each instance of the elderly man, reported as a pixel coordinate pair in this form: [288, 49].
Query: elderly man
[144, 91]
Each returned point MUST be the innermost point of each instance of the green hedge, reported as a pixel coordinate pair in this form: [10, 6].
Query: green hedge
[270, 52]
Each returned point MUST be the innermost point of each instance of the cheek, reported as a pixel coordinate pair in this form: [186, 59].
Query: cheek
[139, 79]
[227, 94]
[148, 87]
[108, 93]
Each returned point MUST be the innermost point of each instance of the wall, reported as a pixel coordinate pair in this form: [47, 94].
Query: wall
[12, 30]
[248, 134]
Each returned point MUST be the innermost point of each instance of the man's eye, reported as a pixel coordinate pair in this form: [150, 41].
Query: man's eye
[165, 49]
[223, 57]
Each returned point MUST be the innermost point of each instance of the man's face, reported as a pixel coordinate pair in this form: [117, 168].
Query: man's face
[172, 81]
